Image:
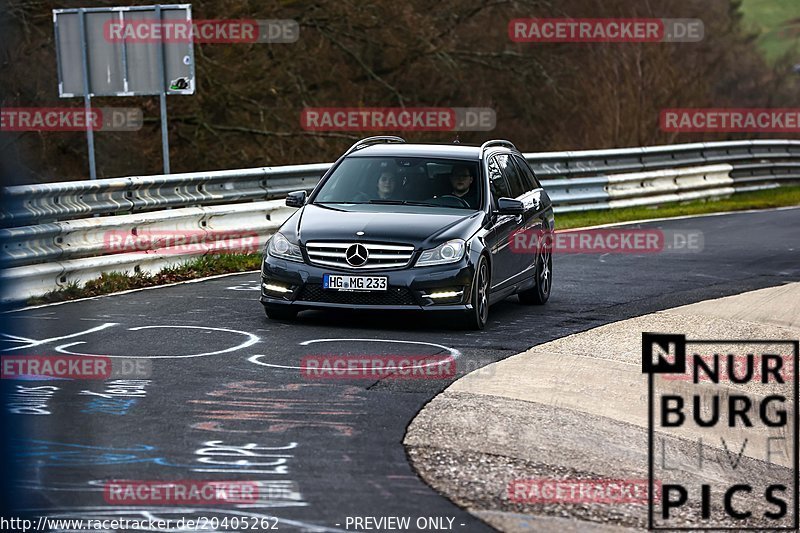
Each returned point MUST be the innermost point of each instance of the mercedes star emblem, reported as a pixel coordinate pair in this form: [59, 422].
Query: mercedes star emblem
[356, 255]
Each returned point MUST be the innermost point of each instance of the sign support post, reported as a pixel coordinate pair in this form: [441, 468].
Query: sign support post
[87, 97]
[163, 100]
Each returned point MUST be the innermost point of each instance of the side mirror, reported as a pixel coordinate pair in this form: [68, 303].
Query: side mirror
[510, 206]
[296, 199]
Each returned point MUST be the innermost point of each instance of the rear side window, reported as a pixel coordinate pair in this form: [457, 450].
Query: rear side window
[509, 169]
[527, 174]
[497, 180]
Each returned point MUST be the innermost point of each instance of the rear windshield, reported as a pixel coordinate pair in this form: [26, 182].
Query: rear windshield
[415, 181]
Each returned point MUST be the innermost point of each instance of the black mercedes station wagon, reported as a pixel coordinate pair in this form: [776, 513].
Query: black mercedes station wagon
[423, 227]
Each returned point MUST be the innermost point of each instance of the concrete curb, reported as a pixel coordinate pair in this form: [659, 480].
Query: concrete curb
[576, 408]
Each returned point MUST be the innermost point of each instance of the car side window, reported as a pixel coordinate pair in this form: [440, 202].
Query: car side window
[497, 181]
[527, 174]
[509, 169]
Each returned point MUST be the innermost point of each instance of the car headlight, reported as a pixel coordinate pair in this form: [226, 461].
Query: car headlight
[449, 252]
[280, 247]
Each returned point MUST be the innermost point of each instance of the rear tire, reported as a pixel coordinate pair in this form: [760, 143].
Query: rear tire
[279, 313]
[540, 292]
[479, 314]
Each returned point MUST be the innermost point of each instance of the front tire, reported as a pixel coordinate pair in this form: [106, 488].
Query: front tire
[280, 313]
[479, 299]
[540, 292]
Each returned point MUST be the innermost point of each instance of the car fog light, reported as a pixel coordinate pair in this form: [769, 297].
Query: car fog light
[274, 287]
[446, 294]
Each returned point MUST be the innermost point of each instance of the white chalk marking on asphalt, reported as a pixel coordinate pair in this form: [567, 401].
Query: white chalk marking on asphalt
[252, 339]
[12, 338]
[455, 353]
[251, 285]
[33, 342]
[42, 317]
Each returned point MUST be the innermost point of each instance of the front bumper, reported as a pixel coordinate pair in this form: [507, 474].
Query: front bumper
[299, 286]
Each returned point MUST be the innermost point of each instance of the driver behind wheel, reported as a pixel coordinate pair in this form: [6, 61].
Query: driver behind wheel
[387, 182]
[461, 179]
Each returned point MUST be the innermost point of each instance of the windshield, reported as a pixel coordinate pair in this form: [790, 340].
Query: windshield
[409, 181]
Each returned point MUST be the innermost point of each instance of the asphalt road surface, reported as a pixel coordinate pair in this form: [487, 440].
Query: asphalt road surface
[225, 399]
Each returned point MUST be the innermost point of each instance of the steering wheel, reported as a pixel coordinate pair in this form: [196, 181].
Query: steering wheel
[463, 202]
[361, 197]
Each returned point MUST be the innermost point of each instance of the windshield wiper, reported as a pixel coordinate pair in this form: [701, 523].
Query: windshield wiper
[340, 203]
[402, 202]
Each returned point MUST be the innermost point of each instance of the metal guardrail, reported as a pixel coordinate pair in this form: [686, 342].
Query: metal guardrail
[589, 179]
[54, 233]
[42, 258]
[76, 199]
[575, 164]
[68, 200]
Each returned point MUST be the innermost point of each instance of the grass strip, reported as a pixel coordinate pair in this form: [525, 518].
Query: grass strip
[109, 282]
[782, 197]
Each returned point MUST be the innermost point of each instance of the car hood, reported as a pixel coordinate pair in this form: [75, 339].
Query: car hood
[421, 227]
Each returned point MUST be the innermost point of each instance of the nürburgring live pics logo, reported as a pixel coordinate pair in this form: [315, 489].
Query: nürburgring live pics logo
[722, 433]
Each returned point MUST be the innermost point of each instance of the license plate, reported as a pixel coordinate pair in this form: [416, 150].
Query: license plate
[354, 283]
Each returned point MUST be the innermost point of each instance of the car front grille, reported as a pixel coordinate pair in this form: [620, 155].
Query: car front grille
[380, 255]
[391, 296]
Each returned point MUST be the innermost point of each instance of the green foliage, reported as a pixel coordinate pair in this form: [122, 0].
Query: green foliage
[785, 196]
[777, 25]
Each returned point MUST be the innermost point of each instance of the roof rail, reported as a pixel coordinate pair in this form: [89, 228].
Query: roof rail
[496, 142]
[363, 143]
